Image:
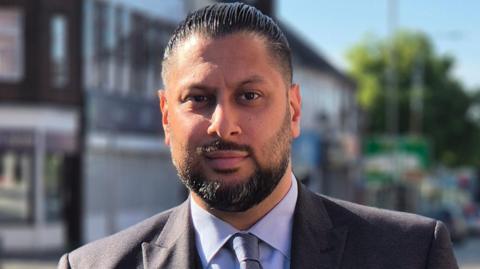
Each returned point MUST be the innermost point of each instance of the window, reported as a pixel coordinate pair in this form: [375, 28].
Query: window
[123, 49]
[100, 44]
[139, 53]
[122, 24]
[53, 183]
[11, 44]
[59, 51]
[89, 68]
[15, 185]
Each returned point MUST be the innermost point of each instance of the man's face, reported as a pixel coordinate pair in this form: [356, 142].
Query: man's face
[229, 118]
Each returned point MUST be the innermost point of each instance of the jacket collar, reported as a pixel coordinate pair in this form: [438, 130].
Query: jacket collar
[175, 246]
[316, 242]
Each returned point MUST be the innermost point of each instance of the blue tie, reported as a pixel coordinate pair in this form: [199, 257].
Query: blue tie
[246, 250]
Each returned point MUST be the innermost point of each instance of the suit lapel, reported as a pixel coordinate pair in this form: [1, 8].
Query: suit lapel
[316, 243]
[175, 246]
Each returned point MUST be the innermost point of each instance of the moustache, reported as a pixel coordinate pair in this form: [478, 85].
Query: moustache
[220, 144]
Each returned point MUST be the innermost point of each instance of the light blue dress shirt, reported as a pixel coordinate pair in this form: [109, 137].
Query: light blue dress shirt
[274, 231]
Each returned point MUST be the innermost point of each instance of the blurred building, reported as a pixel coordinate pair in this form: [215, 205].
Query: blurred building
[128, 175]
[81, 142]
[40, 114]
[81, 149]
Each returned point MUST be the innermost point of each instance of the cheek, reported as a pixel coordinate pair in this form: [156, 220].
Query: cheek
[186, 132]
[182, 143]
[277, 134]
[260, 135]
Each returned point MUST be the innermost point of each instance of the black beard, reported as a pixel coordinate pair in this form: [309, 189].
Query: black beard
[242, 196]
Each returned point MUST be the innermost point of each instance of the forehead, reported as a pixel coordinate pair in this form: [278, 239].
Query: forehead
[234, 56]
[209, 47]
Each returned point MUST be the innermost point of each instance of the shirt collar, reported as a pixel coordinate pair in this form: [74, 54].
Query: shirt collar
[280, 220]
[212, 233]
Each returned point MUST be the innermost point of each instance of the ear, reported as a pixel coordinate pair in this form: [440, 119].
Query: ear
[162, 96]
[295, 109]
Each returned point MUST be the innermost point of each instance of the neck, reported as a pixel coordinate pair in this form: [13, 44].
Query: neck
[246, 219]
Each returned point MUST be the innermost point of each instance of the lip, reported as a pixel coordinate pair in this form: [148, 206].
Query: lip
[225, 159]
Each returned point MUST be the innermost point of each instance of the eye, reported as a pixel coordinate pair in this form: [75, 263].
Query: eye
[196, 101]
[197, 98]
[249, 96]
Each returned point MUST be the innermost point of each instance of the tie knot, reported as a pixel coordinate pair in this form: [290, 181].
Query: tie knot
[245, 246]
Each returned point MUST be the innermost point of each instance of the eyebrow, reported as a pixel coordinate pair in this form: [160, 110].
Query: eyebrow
[201, 87]
[252, 79]
[248, 80]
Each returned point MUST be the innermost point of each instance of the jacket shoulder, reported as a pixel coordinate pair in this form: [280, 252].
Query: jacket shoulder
[390, 238]
[376, 216]
[119, 247]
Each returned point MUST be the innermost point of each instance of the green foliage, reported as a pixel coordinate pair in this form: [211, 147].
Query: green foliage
[445, 120]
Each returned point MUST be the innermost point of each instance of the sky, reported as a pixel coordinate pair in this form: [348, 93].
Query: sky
[332, 27]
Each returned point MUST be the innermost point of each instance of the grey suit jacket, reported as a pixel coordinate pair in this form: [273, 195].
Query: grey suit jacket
[327, 233]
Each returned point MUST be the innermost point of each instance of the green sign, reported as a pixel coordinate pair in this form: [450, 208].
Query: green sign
[386, 159]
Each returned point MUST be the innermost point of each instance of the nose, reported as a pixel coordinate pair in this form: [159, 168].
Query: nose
[224, 122]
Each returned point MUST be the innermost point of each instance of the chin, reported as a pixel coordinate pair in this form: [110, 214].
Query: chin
[232, 178]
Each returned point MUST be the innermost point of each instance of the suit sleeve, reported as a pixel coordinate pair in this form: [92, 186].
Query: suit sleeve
[441, 254]
[64, 263]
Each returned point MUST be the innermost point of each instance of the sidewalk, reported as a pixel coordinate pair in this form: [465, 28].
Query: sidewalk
[467, 253]
[18, 264]
[46, 259]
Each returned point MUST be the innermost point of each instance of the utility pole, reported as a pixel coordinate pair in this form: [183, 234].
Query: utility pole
[418, 84]
[391, 103]
[391, 95]
[416, 96]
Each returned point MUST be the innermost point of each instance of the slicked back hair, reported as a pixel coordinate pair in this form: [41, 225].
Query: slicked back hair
[221, 19]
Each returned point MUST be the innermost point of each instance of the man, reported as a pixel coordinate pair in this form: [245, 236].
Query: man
[230, 112]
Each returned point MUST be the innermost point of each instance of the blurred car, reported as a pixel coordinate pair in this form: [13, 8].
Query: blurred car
[472, 215]
[454, 220]
[473, 224]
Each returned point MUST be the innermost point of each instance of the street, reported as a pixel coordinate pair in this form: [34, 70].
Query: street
[468, 254]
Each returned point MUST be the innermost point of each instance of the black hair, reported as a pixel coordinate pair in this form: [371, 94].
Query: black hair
[221, 19]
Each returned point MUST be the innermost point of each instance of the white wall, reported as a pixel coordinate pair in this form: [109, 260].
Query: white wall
[321, 93]
[126, 182]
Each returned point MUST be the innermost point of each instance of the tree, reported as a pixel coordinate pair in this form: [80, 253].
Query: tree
[445, 106]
